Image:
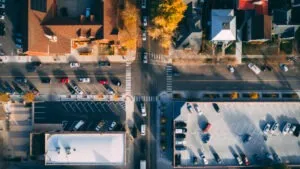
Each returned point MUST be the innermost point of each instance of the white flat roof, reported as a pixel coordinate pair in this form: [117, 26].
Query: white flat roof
[85, 149]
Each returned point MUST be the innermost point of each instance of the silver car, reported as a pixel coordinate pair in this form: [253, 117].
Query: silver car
[286, 128]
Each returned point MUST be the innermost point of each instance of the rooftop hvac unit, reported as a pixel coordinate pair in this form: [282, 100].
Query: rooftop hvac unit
[52, 38]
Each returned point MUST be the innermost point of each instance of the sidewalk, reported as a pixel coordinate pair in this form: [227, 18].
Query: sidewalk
[130, 57]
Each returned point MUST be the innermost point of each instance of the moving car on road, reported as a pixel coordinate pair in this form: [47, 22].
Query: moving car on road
[144, 35]
[145, 57]
[145, 22]
[254, 68]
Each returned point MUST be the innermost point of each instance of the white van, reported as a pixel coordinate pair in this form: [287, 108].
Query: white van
[180, 131]
[78, 125]
[254, 68]
[143, 129]
[177, 142]
[143, 164]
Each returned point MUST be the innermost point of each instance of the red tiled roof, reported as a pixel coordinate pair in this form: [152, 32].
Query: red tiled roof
[38, 43]
[260, 6]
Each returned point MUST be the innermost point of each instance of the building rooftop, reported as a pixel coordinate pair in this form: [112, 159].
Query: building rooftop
[260, 6]
[261, 27]
[223, 25]
[85, 149]
[53, 24]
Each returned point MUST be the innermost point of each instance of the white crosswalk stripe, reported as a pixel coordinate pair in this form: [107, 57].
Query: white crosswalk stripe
[128, 79]
[145, 98]
[169, 73]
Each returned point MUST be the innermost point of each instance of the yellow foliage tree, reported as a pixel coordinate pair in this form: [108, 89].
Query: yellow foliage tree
[254, 95]
[4, 97]
[168, 14]
[234, 95]
[29, 97]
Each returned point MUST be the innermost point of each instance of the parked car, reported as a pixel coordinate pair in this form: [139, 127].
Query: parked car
[216, 107]
[195, 160]
[100, 125]
[245, 159]
[204, 159]
[293, 129]
[276, 158]
[103, 81]
[180, 135]
[116, 82]
[46, 80]
[2, 14]
[254, 68]
[231, 69]
[283, 67]
[274, 128]
[143, 110]
[84, 80]
[297, 131]
[238, 159]
[112, 126]
[178, 142]
[145, 57]
[76, 88]
[104, 63]
[217, 158]
[109, 89]
[267, 128]
[78, 125]
[286, 128]
[74, 64]
[266, 67]
[247, 138]
[180, 124]
[180, 131]
[17, 88]
[207, 127]
[177, 159]
[143, 129]
[8, 88]
[196, 107]
[180, 147]
[189, 107]
[206, 138]
[145, 22]
[64, 80]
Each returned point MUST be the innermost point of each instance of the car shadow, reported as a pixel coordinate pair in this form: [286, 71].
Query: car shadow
[80, 73]
[58, 73]
[42, 75]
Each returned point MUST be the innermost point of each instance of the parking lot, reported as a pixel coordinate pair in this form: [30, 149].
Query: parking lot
[231, 125]
[70, 113]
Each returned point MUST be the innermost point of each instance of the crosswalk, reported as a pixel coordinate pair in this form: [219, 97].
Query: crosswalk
[145, 98]
[169, 73]
[153, 57]
[128, 79]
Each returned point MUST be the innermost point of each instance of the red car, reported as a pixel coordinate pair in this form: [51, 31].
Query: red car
[207, 127]
[64, 80]
[103, 81]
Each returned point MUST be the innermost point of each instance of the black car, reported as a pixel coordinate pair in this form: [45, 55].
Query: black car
[206, 138]
[177, 159]
[216, 107]
[104, 63]
[297, 131]
[217, 158]
[180, 124]
[180, 147]
[46, 80]
[195, 160]
[180, 135]
[116, 82]
[247, 138]
[8, 88]
[17, 88]
[2, 29]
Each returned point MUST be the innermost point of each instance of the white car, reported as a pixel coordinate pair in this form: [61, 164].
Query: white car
[286, 128]
[254, 68]
[239, 160]
[100, 125]
[293, 129]
[204, 159]
[177, 142]
[112, 126]
[144, 35]
[196, 107]
[143, 129]
[74, 64]
[267, 128]
[274, 128]
[231, 69]
[145, 57]
[143, 109]
[284, 67]
[145, 22]
[76, 88]
[84, 80]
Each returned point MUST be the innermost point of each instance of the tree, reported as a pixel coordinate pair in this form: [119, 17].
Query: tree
[29, 97]
[254, 95]
[234, 95]
[163, 120]
[163, 132]
[166, 18]
[4, 97]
